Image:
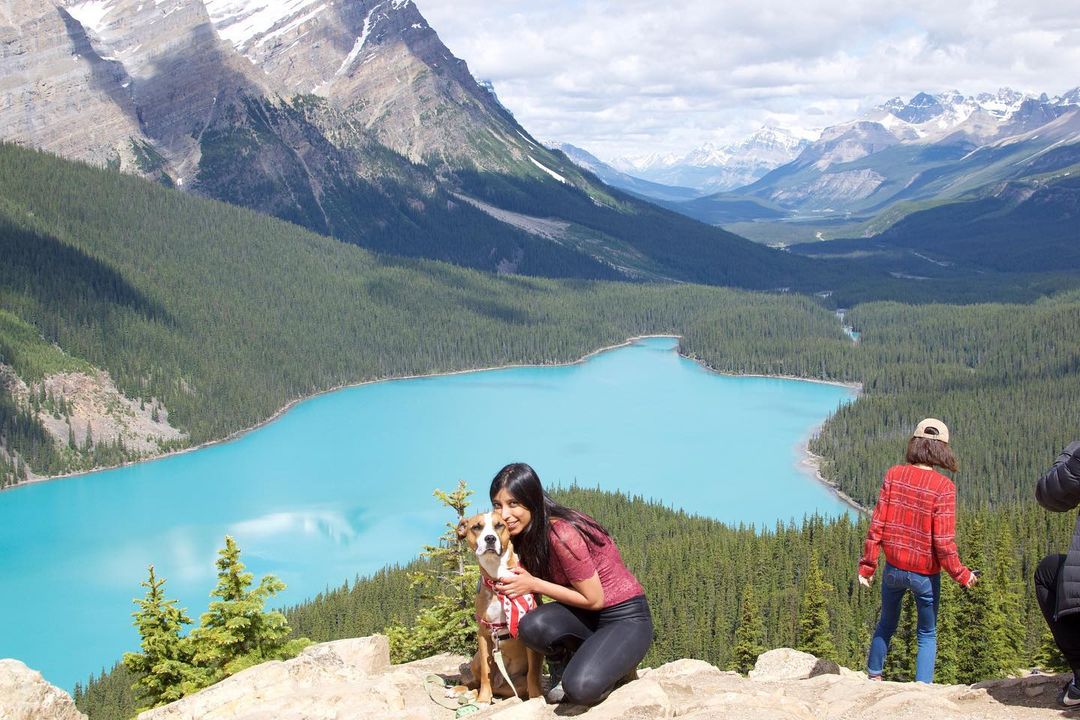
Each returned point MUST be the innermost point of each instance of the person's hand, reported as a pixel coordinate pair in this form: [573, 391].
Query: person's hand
[974, 580]
[865, 581]
[520, 583]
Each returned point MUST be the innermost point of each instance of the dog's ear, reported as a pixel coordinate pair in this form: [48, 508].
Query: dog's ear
[462, 527]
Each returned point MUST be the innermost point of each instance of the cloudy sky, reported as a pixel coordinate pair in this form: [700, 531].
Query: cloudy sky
[631, 77]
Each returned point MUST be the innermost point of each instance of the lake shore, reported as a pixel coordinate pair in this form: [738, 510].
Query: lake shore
[810, 463]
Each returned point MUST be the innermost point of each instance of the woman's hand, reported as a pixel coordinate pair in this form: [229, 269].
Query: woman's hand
[520, 583]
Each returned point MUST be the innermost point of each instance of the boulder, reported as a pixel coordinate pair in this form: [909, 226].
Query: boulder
[788, 664]
[25, 695]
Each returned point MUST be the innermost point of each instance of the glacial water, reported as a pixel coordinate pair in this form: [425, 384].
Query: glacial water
[342, 485]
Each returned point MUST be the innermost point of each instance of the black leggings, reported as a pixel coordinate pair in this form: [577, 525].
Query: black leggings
[606, 644]
[1066, 630]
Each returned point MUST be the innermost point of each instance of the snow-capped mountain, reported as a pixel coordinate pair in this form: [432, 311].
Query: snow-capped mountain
[930, 146]
[929, 118]
[712, 167]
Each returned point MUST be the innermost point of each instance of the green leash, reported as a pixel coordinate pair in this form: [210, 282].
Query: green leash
[460, 710]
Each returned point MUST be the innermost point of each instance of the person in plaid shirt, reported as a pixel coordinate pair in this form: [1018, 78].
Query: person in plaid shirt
[914, 523]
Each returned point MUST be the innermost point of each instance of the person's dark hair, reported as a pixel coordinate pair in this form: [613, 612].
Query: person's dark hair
[924, 451]
[532, 544]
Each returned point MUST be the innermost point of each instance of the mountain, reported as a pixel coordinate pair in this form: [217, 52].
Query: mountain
[623, 181]
[904, 157]
[1019, 226]
[712, 167]
[351, 120]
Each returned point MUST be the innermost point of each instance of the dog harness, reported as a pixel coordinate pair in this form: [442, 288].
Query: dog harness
[513, 609]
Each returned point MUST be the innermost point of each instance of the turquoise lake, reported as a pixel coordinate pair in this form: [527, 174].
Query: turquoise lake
[342, 484]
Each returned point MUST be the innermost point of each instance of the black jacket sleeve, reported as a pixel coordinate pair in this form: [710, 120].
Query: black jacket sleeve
[1059, 489]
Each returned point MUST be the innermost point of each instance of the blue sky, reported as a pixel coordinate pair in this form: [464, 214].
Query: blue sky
[631, 77]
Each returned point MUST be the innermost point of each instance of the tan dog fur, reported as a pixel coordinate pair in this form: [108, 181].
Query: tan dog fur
[522, 664]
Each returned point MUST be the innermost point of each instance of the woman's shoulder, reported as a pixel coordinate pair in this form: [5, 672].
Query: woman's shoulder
[563, 529]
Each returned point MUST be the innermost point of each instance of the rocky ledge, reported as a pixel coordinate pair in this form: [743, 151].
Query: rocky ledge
[354, 678]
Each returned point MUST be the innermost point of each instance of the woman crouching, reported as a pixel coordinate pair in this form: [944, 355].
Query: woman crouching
[599, 627]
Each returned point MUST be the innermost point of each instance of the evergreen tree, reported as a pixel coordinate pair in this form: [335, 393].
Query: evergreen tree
[749, 635]
[236, 632]
[948, 648]
[985, 647]
[1049, 657]
[1010, 594]
[162, 671]
[448, 585]
[815, 636]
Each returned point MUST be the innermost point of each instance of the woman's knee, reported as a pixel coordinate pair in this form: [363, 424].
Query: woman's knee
[542, 628]
[584, 687]
[533, 630]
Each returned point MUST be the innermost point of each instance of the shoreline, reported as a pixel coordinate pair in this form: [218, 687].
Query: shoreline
[809, 460]
[810, 463]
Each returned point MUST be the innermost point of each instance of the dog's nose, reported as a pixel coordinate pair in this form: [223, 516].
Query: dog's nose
[489, 539]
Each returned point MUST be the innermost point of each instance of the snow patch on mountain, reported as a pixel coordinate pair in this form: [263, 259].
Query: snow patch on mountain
[91, 14]
[357, 47]
[239, 21]
[548, 170]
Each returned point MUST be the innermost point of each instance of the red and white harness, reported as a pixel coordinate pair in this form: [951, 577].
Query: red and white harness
[514, 608]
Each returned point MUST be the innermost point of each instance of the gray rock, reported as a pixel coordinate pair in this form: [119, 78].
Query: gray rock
[788, 664]
[25, 695]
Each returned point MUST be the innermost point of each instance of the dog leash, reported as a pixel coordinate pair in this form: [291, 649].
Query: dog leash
[460, 710]
[500, 663]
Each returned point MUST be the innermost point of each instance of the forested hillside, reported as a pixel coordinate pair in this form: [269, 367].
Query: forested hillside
[218, 312]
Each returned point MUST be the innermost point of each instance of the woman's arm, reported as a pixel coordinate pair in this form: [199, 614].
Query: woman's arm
[587, 594]
[872, 547]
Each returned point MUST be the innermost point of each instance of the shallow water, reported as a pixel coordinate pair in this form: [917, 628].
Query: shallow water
[342, 485]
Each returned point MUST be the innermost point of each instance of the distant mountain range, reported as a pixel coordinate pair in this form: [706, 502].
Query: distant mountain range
[353, 120]
[957, 168]
[625, 181]
[712, 167]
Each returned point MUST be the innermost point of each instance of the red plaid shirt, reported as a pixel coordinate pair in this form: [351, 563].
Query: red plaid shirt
[914, 522]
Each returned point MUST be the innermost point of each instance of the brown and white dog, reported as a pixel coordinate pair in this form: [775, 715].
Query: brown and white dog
[496, 614]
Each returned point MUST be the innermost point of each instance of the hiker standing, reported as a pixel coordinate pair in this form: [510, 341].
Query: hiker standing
[914, 523]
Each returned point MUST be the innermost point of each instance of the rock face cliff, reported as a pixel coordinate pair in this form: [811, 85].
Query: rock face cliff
[24, 695]
[140, 84]
[354, 678]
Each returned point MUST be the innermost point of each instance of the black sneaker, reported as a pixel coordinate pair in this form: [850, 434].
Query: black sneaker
[1070, 695]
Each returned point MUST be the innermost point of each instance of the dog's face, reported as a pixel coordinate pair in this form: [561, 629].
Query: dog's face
[485, 533]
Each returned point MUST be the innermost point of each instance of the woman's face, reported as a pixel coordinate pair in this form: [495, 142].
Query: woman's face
[514, 514]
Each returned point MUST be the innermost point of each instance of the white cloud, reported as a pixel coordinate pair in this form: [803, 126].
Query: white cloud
[634, 76]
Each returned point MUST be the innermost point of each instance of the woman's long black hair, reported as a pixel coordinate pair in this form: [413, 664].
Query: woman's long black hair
[532, 544]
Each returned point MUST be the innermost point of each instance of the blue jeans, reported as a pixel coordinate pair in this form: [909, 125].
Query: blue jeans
[927, 592]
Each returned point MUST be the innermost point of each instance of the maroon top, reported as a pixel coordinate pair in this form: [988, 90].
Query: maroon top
[575, 557]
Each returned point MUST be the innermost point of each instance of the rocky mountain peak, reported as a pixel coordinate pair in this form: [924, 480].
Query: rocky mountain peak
[921, 108]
